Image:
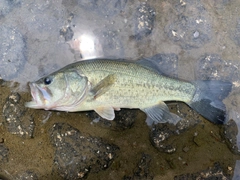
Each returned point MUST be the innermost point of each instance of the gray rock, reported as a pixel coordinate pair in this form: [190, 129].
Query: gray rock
[76, 154]
[236, 34]
[110, 42]
[67, 33]
[166, 63]
[7, 6]
[213, 67]
[191, 26]
[105, 8]
[12, 52]
[3, 153]
[144, 21]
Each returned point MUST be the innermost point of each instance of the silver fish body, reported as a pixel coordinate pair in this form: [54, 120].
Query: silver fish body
[107, 85]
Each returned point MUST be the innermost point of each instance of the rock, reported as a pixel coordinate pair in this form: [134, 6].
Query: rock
[12, 52]
[142, 171]
[124, 119]
[7, 6]
[67, 33]
[144, 21]
[230, 131]
[212, 67]
[190, 26]
[189, 117]
[109, 43]
[3, 153]
[76, 154]
[160, 137]
[164, 136]
[105, 8]
[27, 175]
[236, 34]
[167, 63]
[212, 173]
[16, 120]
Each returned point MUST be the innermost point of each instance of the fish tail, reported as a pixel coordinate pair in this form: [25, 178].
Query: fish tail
[208, 97]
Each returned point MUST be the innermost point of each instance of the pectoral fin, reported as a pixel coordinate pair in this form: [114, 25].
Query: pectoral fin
[105, 112]
[160, 114]
[103, 86]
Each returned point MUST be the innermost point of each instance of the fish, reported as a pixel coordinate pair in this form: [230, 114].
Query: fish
[106, 85]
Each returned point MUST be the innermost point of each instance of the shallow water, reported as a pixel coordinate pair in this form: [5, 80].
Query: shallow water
[190, 40]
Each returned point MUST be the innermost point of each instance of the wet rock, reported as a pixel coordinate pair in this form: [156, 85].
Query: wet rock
[212, 67]
[236, 34]
[212, 173]
[230, 131]
[27, 175]
[190, 27]
[124, 119]
[67, 33]
[144, 21]
[160, 137]
[76, 154]
[110, 43]
[3, 153]
[164, 136]
[105, 8]
[221, 4]
[16, 120]
[7, 6]
[12, 52]
[142, 171]
[167, 63]
[189, 117]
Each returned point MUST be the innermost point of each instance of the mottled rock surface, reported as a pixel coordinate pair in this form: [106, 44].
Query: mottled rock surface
[191, 26]
[16, 120]
[144, 20]
[77, 154]
[12, 51]
[124, 120]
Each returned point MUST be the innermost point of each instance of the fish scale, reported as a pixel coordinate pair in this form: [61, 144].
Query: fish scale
[134, 81]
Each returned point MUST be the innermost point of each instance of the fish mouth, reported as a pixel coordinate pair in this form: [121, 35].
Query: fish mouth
[39, 97]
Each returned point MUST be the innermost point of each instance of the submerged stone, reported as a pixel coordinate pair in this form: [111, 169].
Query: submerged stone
[142, 170]
[230, 131]
[124, 119]
[144, 21]
[76, 154]
[190, 25]
[212, 173]
[3, 153]
[106, 8]
[12, 52]
[7, 6]
[16, 120]
[164, 137]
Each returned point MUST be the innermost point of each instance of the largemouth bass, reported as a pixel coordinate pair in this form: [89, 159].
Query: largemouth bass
[107, 85]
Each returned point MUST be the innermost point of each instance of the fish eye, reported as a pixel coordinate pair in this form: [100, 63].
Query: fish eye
[47, 80]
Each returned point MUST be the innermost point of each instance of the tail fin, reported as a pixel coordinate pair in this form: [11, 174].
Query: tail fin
[208, 97]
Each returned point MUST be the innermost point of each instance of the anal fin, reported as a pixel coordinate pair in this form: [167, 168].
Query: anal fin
[105, 112]
[160, 114]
